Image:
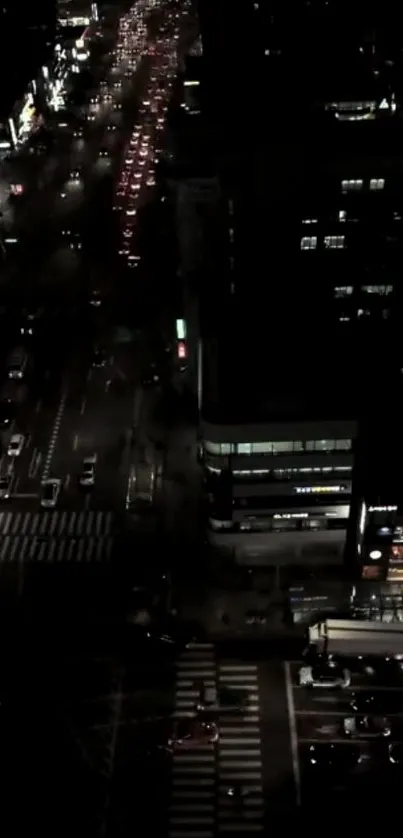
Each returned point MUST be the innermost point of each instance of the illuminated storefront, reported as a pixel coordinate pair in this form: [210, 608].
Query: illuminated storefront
[380, 542]
[71, 13]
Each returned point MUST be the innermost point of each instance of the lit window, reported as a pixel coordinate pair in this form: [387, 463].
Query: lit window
[262, 447]
[217, 448]
[342, 215]
[244, 448]
[376, 184]
[309, 242]
[334, 242]
[351, 185]
[283, 447]
[381, 290]
[343, 290]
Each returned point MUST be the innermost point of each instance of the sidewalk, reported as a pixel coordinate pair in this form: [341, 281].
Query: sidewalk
[222, 616]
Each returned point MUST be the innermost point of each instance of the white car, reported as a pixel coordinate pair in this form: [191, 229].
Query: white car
[330, 677]
[15, 445]
[50, 492]
[87, 476]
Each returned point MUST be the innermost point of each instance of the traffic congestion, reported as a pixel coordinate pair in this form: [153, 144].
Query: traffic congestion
[72, 387]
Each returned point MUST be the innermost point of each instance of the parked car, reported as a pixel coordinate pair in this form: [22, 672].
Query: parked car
[330, 676]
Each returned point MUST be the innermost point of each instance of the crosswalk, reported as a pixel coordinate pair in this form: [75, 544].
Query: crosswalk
[56, 536]
[56, 523]
[200, 806]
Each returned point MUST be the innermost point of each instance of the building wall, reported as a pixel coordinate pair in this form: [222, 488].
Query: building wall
[288, 507]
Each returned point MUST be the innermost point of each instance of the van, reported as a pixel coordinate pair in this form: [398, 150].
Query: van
[16, 363]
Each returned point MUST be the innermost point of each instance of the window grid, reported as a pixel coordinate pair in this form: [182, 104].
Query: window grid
[381, 290]
[376, 184]
[334, 242]
[309, 242]
[343, 291]
[353, 185]
[279, 447]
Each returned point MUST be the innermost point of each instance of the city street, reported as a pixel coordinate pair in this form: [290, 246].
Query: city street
[83, 383]
[88, 709]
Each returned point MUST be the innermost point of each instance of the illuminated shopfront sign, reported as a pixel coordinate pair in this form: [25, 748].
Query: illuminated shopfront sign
[56, 95]
[319, 490]
[28, 119]
[382, 509]
[74, 21]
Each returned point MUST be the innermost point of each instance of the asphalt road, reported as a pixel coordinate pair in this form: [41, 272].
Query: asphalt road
[77, 715]
[316, 717]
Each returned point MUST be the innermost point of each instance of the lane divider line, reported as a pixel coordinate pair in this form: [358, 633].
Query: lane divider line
[54, 436]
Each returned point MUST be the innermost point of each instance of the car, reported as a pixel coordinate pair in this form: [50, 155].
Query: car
[95, 299]
[8, 411]
[383, 671]
[98, 358]
[367, 702]
[111, 127]
[15, 445]
[28, 324]
[75, 174]
[330, 676]
[117, 106]
[6, 479]
[50, 492]
[192, 733]
[333, 756]
[104, 153]
[151, 377]
[78, 132]
[395, 754]
[73, 239]
[87, 476]
[366, 727]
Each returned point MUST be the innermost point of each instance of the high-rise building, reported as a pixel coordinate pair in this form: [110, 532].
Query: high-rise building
[300, 323]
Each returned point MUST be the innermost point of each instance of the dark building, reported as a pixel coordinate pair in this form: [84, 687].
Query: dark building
[27, 37]
[291, 269]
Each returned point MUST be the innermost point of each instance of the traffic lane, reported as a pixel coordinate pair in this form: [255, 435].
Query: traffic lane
[386, 676]
[329, 726]
[37, 207]
[361, 774]
[39, 421]
[321, 701]
[278, 779]
[104, 430]
[96, 423]
[136, 708]
[60, 451]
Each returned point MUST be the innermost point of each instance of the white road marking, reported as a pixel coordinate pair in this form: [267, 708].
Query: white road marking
[83, 405]
[75, 443]
[38, 407]
[54, 435]
[293, 731]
